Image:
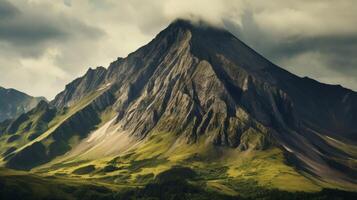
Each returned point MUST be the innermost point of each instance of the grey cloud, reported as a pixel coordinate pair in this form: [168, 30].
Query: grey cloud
[67, 2]
[23, 32]
[337, 51]
[7, 10]
[47, 38]
[30, 33]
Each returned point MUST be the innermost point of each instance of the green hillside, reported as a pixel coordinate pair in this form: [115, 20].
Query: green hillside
[194, 114]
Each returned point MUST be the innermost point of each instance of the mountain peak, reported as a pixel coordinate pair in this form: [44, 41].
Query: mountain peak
[216, 44]
[195, 24]
[198, 28]
[194, 83]
[181, 23]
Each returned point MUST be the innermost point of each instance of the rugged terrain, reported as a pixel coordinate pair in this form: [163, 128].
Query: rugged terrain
[194, 98]
[13, 103]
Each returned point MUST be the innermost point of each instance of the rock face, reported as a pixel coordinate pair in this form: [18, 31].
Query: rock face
[200, 81]
[197, 81]
[13, 103]
[78, 88]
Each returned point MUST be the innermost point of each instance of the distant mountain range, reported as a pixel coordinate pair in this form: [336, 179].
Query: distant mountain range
[13, 103]
[195, 97]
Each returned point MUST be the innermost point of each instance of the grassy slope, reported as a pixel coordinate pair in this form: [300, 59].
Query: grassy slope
[24, 185]
[177, 183]
[63, 117]
[22, 134]
[222, 170]
[216, 167]
[23, 141]
[219, 171]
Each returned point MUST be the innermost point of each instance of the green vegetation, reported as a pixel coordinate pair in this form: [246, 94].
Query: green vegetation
[84, 170]
[137, 165]
[109, 168]
[24, 186]
[213, 166]
[161, 168]
[146, 178]
[27, 127]
[47, 133]
[176, 183]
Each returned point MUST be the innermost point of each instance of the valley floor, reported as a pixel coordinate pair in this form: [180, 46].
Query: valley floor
[176, 183]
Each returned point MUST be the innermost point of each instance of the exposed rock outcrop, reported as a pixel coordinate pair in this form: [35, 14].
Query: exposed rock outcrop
[197, 81]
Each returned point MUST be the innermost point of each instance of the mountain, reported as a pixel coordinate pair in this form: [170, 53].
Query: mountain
[194, 97]
[13, 103]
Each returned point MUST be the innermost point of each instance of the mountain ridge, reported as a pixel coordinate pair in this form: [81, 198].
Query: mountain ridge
[182, 24]
[196, 86]
[13, 103]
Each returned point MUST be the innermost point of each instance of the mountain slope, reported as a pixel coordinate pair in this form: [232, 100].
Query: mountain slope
[199, 97]
[13, 103]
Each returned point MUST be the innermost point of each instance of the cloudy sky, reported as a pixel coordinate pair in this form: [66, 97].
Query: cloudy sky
[45, 44]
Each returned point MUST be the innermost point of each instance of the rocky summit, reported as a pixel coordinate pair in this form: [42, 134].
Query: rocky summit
[194, 96]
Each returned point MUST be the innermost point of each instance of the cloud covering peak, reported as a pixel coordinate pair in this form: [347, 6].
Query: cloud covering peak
[46, 44]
